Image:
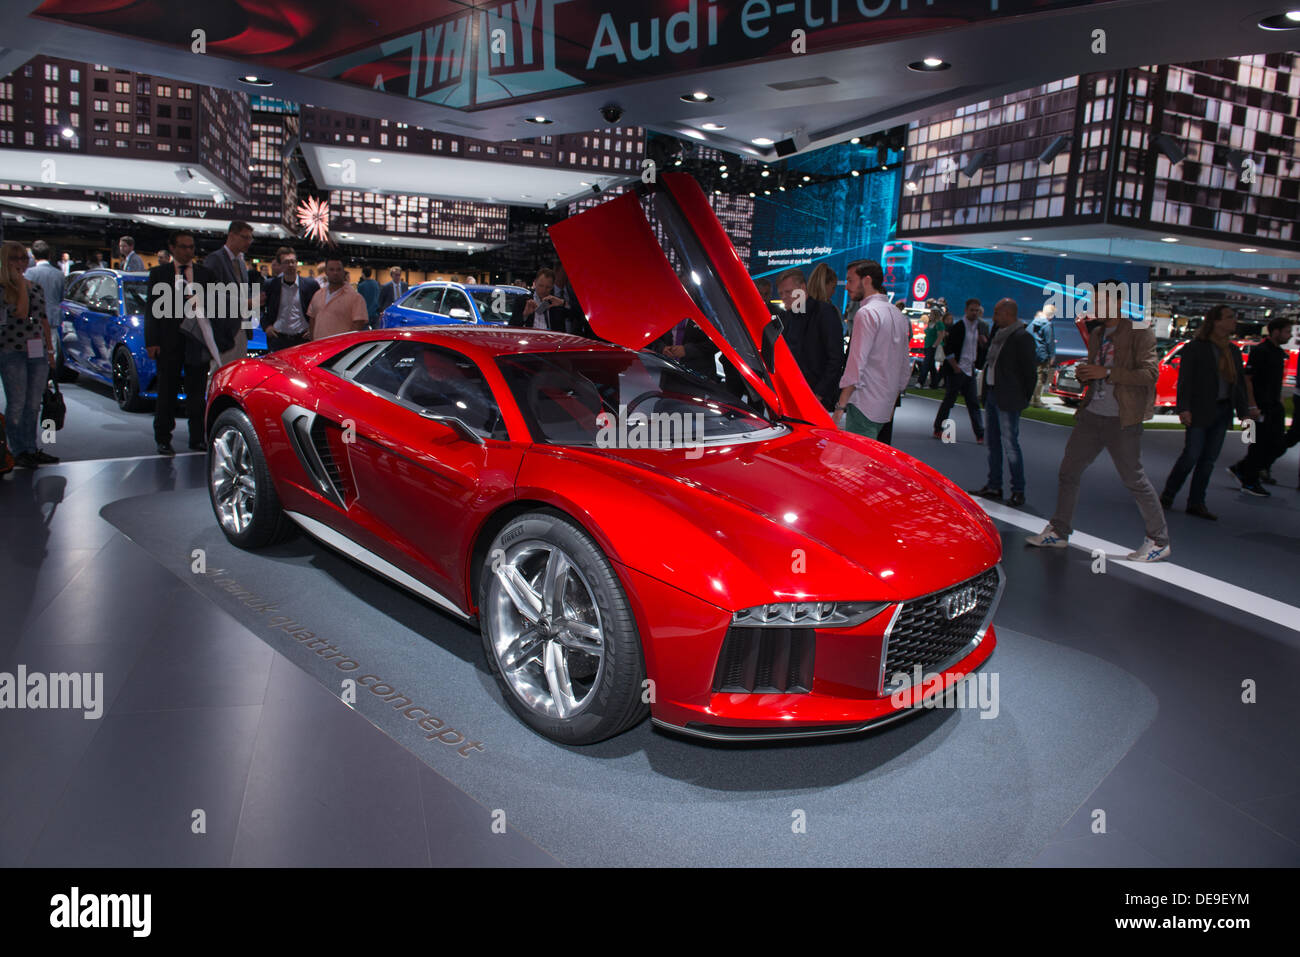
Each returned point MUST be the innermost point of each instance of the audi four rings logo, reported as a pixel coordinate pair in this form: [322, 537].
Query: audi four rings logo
[959, 602]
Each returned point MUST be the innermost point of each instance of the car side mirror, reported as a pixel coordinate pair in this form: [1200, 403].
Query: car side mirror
[456, 425]
[460, 314]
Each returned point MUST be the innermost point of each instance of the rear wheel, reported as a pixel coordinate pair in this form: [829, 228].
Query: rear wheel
[239, 484]
[126, 381]
[559, 633]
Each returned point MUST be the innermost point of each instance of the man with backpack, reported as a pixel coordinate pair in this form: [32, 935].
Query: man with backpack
[1044, 333]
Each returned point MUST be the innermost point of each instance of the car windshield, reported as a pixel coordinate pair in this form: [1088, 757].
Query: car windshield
[497, 308]
[133, 291]
[562, 394]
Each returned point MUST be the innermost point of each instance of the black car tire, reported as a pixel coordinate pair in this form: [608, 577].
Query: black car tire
[126, 381]
[267, 522]
[614, 701]
[62, 372]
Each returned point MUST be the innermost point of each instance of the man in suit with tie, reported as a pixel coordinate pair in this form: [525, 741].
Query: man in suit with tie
[181, 357]
[227, 264]
[392, 291]
[131, 261]
[287, 300]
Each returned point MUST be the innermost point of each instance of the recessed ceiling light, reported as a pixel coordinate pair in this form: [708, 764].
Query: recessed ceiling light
[330, 165]
[699, 96]
[693, 134]
[1062, 255]
[1168, 239]
[765, 173]
[376, 159]
[856, 139]
[1249, 249]
[723, 168]
[762, 141]
[1282, 21]
[807, 179]
[252, 79]
[712, 127]
[931, 64]
[68, 132]
[751, 195]
[854, 173]
[912, 187]
[539, 120]
[725, 175]
[1026, 239]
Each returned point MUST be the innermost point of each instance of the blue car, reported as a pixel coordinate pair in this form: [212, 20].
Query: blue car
[101, 334]
[441, 303]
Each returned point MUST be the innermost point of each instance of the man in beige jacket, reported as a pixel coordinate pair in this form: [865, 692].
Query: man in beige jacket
[1120, 374]
[337, 306]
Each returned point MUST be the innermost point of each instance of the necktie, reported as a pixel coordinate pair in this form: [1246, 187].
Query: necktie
[679, 336]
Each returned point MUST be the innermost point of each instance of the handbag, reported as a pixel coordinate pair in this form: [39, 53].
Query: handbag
[53, 408]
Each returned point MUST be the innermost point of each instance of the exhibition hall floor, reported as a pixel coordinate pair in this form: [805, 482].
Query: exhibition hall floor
[1120, 736]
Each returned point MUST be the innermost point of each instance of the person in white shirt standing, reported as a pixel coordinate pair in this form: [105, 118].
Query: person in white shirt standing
[878, 365]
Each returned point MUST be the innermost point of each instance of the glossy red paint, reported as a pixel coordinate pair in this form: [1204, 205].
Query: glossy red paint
[811, 514]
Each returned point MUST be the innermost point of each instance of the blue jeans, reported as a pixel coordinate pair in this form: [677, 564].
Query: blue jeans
[1201, 447]
[24, 382]
[1003, 428]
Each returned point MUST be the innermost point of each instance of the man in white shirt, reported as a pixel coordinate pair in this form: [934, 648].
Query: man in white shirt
[287, 299]
[964, 348]
[878, 365]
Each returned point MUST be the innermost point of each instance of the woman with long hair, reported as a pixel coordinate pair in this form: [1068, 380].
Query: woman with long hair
[26, 355]
[822, 282]
[1211, 387]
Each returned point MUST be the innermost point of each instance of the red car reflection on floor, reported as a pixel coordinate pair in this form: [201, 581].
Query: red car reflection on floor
[767, 575]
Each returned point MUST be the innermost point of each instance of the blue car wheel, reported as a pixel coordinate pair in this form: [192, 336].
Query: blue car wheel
[126, 382]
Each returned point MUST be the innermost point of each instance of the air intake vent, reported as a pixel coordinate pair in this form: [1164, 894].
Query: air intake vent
[323, 442]
[768, 660]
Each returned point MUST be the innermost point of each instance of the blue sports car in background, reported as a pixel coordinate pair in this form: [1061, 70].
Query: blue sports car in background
[101, 334]
[441, 303]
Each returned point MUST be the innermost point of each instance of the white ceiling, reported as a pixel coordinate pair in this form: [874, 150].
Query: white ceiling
[108, 174]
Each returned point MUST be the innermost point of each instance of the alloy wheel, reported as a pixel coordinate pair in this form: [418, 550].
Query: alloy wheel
[546, 630]
[121, 377]
[234, 488]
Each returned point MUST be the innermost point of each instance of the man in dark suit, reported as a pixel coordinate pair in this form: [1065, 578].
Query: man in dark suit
[392, 291]
[287, 299]
[543, 309]
[227, 264]
[182, 358]
[689, 345]
[1010, 376]
[575, 320]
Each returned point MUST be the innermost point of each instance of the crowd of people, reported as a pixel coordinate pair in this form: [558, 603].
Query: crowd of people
[997, 369]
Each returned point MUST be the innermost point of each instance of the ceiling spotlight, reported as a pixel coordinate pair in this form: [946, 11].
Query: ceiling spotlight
[712, 127]
[1172, 149]
[699, 96]
[67, 132]
[765, 173]
[539, 120]
[253, 79]
[219, 197]
[1282, 21]
[977, 162]
[1248, 249]
[722, 168]
[762, 141]
[334, 165]
[931, 64]
[1025, 239]
[184, 174]
[912, 187]
[781, 188]
[751, 195]
[376, 159]
[807, 179]
[854, 173]
[725, 175]
[856, 140]
[1055, 148]
[1168, 239]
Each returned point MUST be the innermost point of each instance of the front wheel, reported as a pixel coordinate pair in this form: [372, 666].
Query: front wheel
[239, 484]
[126, 382]
[559, 633]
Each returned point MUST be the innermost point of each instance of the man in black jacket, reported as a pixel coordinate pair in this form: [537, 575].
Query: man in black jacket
[182, 358]
[812, 330]
[964, 350]
[1010, 374]
[287, 299]
[1265, 368]
[687, 344]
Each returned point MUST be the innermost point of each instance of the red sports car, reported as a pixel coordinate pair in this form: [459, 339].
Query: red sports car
[767, 576]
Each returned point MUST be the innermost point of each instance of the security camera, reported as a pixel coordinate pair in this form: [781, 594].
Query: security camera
[612, 112]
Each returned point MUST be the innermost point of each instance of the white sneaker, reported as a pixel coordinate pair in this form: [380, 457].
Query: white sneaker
[1048, 538]
[1150, 552]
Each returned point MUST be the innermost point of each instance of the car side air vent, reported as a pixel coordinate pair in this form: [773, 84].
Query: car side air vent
[321, 458]
[766, 660]
[326, 439]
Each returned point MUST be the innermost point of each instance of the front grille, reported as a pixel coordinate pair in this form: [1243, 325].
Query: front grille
[766, 660]
[923, 634]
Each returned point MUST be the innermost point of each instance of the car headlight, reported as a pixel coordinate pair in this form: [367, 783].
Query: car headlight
[808, 614]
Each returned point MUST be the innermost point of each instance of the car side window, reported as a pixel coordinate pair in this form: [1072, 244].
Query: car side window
[101, 294]
[456, 305]
[436, 381]
[425, 300]
[75, 292]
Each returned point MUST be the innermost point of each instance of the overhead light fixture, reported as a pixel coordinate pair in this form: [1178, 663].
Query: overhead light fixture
[856, 140]
[1172, 149]
[1025, 239]
[539, 120]
[1055, 148]
[1168, 239]
[375, 159]
[67, 132]
[289, 147]
[693, 134]
[854, 173]
[762, 141]
[712, 127]
[184, 174]
[334, 165]
[765, 173]
[725, 175]
[1248, 249]
[1282, 21]
[911, 187]
[699, 96]
[252, 79]
[219, 197]
[977, 162]
[931, 64]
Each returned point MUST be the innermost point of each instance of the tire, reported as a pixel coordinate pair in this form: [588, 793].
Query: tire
[239, 485]
[557, 686]
[1072, 403]
[62, 372]
[126, 381]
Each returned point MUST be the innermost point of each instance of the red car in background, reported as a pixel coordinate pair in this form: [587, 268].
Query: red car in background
[1167, 383]
[777, 577]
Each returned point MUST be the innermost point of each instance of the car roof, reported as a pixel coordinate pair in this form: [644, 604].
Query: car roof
[508, 287]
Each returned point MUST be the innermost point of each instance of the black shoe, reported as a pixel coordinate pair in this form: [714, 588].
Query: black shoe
[44, 458]
[1017, 499]
[1236, 473]
[1200, 511]
[165, 448]
[1254, 488]
[26, 460]
[988, 491]
[1267, 477]
[1166, 502]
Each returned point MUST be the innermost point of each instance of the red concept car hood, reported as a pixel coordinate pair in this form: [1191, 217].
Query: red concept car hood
[887, 515]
